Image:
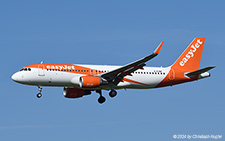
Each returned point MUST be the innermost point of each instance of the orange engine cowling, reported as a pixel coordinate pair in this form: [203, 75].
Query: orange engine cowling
[75, 92]
[90, 81]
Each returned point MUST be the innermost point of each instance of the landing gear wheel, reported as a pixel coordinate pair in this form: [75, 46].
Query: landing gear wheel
[39, 95]
[39, 89]
[101, 99]
[112, 93]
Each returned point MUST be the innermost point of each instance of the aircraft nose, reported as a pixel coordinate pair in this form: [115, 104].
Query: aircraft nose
[15, 77]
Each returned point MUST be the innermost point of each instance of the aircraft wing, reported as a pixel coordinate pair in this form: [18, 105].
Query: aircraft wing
[117, 75]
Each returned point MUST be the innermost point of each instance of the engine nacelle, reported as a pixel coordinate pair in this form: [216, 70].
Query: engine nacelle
[88, 81]
[75, 92]
[91, 81]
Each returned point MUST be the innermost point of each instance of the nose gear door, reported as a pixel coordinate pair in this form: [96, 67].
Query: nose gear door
[41, 70]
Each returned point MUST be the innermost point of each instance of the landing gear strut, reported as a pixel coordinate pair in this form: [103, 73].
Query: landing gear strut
[101, 99]
[39, 94]
[112, 93]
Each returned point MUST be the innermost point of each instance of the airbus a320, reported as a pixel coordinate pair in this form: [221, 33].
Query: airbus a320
[81, 80]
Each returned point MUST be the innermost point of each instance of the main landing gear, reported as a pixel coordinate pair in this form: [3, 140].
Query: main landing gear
[102, 99]
[39, 95]
[112, 93]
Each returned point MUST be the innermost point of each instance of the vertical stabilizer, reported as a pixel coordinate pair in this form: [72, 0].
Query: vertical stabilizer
[191, 57]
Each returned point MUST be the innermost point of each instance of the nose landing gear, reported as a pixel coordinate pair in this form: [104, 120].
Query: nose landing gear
[39, 95]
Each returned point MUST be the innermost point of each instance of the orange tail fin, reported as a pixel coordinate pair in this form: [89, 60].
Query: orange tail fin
[191, 57]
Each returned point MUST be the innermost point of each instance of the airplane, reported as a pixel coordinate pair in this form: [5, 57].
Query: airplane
[80, 80]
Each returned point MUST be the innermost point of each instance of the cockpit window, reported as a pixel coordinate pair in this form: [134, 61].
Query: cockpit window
[25, 69]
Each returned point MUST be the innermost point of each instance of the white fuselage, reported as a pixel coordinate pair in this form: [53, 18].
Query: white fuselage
[150, 77]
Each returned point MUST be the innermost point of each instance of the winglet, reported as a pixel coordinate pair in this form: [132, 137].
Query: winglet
[158, 48]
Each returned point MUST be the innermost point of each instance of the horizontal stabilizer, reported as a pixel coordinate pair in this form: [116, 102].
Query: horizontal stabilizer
[198, 72]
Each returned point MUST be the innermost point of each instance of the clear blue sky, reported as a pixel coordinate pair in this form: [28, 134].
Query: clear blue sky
[117, 33]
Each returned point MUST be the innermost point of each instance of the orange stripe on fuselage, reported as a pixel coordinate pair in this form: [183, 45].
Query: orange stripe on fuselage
[66, 68]
[132, 81]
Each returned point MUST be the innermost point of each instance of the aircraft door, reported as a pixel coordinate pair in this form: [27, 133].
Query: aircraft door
[41, 70]
[171, 74]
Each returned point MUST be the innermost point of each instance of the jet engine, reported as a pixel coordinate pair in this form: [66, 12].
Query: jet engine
[75, 92]
[91, 81]
[88, 81]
